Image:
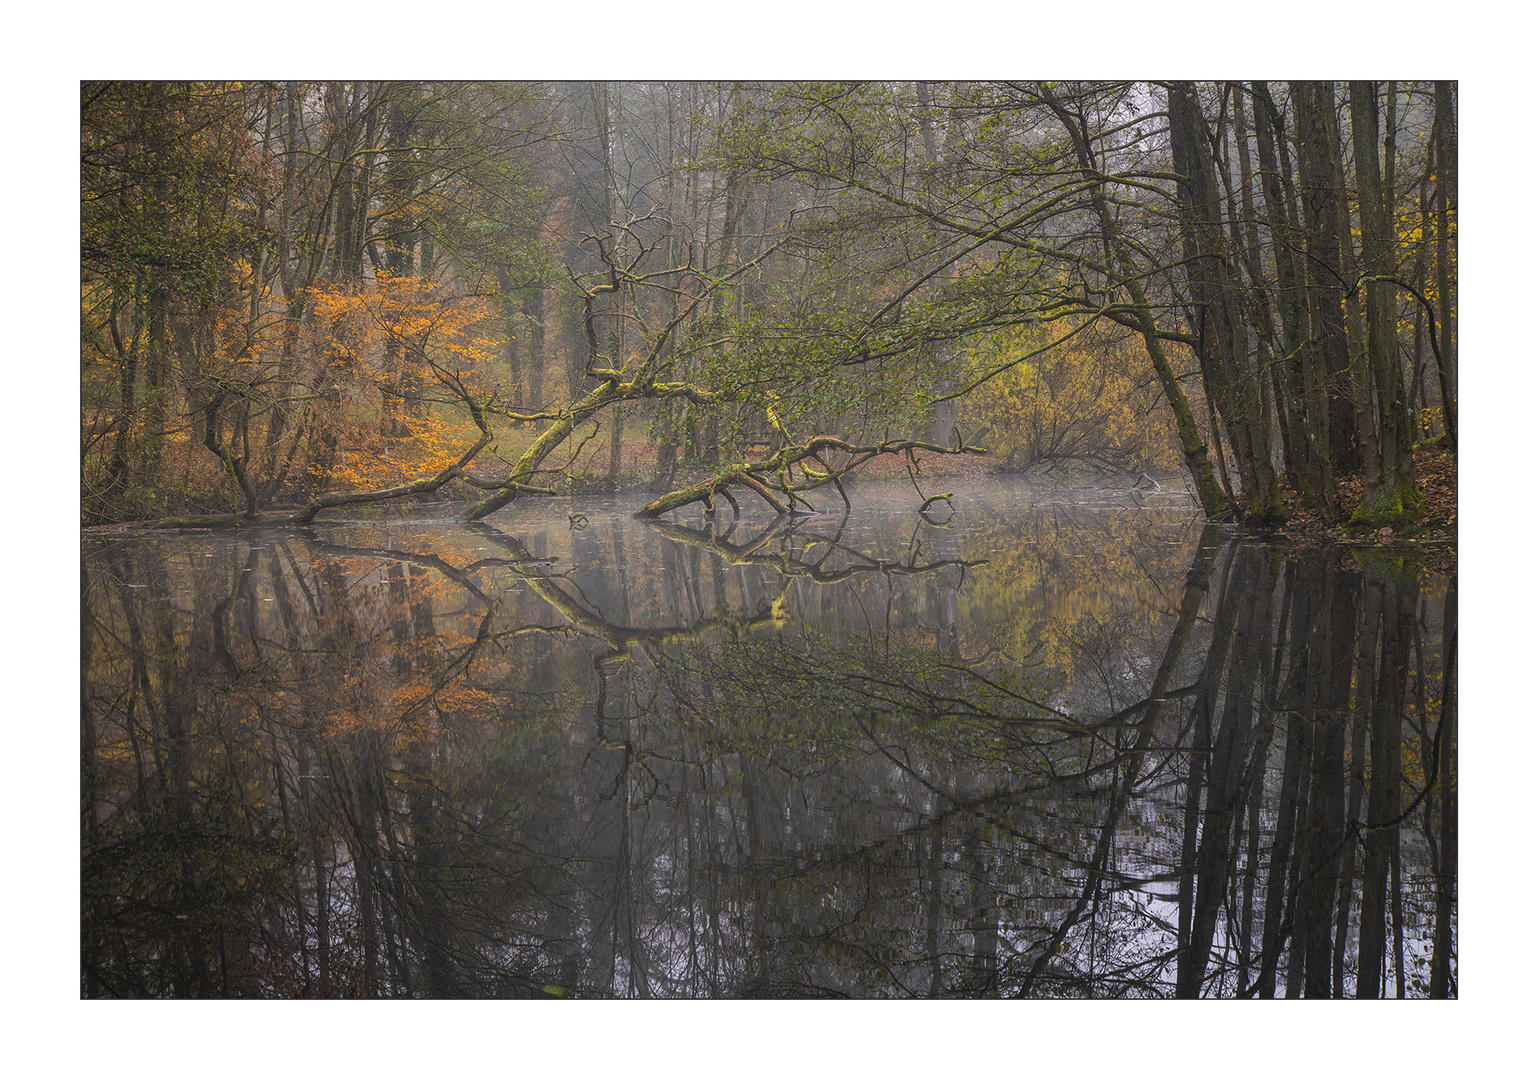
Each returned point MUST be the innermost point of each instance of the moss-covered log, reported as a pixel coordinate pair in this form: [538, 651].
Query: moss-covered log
[774, 473]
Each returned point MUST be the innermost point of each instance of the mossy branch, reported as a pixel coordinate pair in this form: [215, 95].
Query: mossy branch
[748, 474]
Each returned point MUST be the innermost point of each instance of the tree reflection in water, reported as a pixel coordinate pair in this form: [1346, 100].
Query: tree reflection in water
[1071, 753]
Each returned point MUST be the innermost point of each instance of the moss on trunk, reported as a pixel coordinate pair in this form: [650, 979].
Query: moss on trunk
[1265, 508]
[1390, 504]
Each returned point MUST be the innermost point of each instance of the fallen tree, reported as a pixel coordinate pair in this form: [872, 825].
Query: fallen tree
[779, 472]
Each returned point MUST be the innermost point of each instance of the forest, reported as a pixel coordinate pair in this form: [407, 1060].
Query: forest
[300, 296]
[768, 539]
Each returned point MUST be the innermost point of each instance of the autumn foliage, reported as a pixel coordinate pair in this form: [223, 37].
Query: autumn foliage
[1085, 402]
[391, 352]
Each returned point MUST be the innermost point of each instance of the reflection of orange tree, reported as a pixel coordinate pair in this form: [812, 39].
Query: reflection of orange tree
[405, 710]
[402, 678]
[389, 344]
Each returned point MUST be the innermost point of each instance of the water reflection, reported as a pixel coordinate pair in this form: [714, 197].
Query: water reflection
[1064, 751]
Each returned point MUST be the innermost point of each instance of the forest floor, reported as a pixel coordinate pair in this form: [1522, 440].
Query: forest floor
[1434, 531]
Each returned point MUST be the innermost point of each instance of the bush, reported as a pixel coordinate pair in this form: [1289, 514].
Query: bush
[1086, 402]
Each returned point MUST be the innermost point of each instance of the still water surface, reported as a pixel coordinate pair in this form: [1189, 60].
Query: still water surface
[1059, 743]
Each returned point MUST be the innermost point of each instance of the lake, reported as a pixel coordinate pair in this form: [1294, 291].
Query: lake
[1044, 741]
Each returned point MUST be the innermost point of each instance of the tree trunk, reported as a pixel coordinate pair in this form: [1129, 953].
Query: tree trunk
[1217, 293]
[1327, 379]
[1308, 440]
[400, 257]
[1390, 496]
[1447, 158]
